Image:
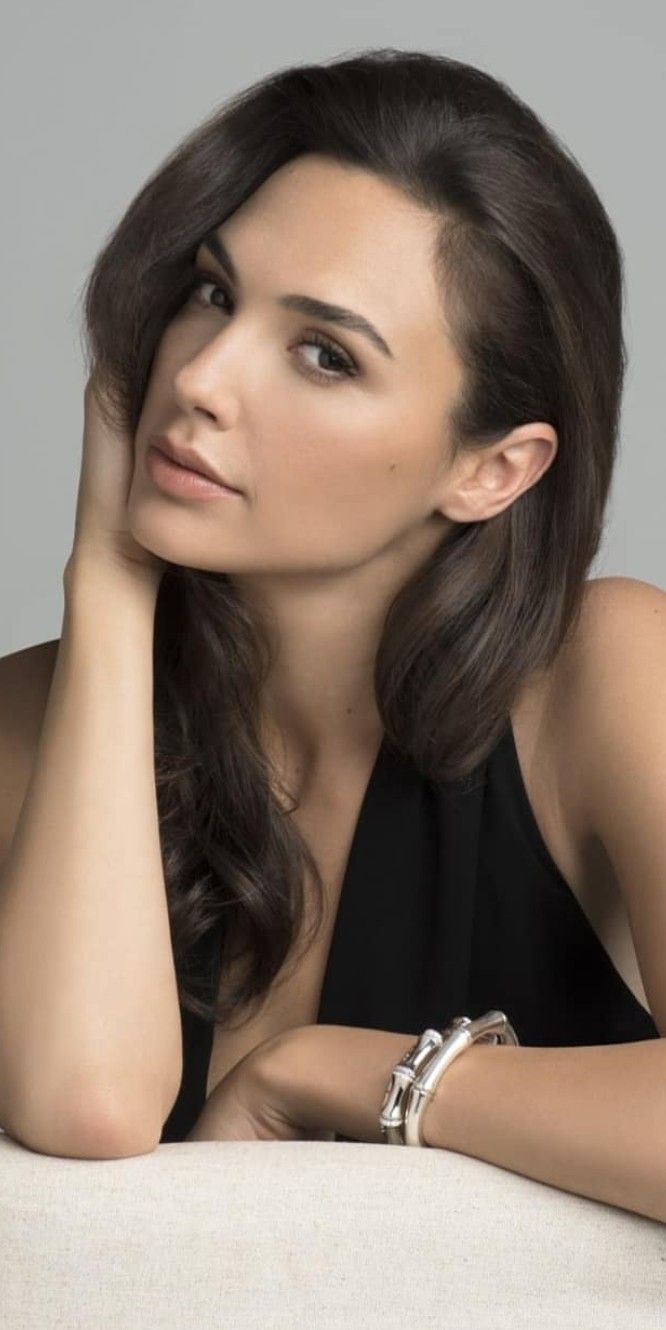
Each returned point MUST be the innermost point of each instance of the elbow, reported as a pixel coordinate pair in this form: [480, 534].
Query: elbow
[92, 1128]
[106, 1133]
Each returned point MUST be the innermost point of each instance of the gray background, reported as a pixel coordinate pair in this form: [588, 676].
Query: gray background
[94, 96]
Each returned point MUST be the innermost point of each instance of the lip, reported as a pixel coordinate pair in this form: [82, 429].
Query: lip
[189, 458]
[181, 482]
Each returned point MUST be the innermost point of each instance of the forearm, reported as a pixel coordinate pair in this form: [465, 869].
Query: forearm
[87, 979]
[589, 1120]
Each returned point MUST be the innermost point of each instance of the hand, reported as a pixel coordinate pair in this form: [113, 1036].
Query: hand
[102, 527]
[308, 1082]
[247, 1105]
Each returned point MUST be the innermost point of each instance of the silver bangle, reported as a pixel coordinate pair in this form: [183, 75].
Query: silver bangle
[415, 1077]
[417, 1057]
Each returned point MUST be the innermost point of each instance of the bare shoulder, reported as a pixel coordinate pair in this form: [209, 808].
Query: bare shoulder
[607, 720]
[619, 631]
[608, 675]
[25, 682]
[609, 606]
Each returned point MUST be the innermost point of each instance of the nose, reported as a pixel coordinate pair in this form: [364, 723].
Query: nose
[204, 384]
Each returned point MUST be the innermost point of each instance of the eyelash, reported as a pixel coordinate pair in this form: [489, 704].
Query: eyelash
[348, 367]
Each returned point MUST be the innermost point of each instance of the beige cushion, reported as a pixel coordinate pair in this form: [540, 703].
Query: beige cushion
[313, 1234]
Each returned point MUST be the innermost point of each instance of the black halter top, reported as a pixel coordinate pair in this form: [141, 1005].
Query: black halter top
[451, 905]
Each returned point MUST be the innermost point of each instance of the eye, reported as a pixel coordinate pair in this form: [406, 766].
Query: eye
[345, 365]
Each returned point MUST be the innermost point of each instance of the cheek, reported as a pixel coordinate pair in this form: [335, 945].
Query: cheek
[336, 478]
[318, 455]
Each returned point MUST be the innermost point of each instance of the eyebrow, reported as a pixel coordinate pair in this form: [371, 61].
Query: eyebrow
[346, 318]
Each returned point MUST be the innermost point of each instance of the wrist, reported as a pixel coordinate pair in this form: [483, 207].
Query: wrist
[283, 1068]
[332, 1077]
[88, 573]
[447, 1114]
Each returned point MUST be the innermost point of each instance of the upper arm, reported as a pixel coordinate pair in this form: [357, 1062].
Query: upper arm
[616, 727]
[25, 681]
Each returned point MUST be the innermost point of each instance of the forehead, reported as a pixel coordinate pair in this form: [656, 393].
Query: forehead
[346, 235]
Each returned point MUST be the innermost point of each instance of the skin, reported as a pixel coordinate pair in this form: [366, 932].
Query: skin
[348, 484]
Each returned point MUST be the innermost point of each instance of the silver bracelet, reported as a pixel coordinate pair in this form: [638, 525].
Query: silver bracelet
[415, 1077]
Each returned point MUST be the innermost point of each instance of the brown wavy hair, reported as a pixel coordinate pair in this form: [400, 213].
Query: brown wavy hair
[531, 276]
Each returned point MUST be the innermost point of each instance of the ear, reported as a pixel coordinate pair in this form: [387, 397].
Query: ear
[483, 482]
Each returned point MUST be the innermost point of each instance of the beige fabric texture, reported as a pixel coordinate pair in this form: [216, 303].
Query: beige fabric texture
[275, 1235]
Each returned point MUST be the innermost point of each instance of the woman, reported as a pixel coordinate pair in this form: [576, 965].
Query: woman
[381, 305]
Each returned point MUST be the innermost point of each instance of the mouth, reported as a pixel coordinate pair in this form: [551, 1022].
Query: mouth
[190, 460]
[182, 481]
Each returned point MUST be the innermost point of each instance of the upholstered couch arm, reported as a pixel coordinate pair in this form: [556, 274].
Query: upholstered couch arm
[313, 1234]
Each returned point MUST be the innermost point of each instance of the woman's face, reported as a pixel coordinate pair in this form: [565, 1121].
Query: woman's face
[340, 450]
